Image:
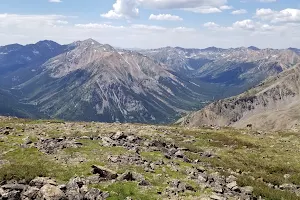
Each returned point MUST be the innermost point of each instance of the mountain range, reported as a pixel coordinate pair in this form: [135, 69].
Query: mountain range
[89, 81]
[272, 105]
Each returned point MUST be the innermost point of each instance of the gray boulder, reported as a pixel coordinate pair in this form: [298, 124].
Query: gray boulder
[50, 192]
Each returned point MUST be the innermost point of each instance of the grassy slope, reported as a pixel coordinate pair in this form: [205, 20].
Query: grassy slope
[262, 158]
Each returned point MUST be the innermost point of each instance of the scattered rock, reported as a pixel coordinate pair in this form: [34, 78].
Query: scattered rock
[144, 183]
[207, 154]
[94, 179]
[75, 184]
[118, 136]
[74, 189]
[30, 193]
[6, 132]
[107, 142]
[179, 154]
[93, 194]
[231, 185]
[217, 197]
[176, 186]
[131, 176]
[218, 189]
[12, 195]
[50, 192]
[104, 173]
[247, 190]
[158, 144]
[50, 146]
[41, 181]
[202, 177]
[19, 187]
[230, 179]
[286, 176]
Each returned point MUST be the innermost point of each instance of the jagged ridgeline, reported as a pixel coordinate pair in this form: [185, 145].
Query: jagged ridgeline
[90, 81]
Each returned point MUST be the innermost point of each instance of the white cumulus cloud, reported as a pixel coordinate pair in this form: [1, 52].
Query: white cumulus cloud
[211, 25]
[165, 17]
[250, 25]
[130, 8]
[289, 15]
[204, 10]
[123, 9]
[247, 24]
[239, 12]
[226, 7]
[24, 29]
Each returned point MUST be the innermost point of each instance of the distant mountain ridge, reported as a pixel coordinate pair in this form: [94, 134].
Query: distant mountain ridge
[97, 82]
[89, 81]
[234, 70]
[18, 63]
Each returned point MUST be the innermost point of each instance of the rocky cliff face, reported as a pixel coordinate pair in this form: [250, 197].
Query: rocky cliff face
[96, 82]
[274, 104]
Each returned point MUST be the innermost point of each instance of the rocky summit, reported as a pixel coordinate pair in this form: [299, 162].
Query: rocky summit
[55, 160]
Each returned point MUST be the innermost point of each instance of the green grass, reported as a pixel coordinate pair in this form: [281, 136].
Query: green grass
[152, 156]
[266, 158]
[26, 164]
[121, 190]
[261, 189]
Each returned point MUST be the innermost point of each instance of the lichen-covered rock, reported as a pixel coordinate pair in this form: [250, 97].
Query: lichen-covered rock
[50, 192]
[93, 194]
[41, 181]
[30, 193]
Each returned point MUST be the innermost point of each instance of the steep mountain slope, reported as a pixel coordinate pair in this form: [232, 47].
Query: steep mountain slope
[274, 104]
[236, 69]
[97, 82]
[19, 63]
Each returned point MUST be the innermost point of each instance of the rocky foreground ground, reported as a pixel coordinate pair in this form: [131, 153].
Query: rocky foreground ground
[65, 160]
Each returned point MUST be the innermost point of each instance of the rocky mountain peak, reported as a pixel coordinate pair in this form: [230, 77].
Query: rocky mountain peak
[253, 48]
[46, 43]
[89, 42]
[213, 49]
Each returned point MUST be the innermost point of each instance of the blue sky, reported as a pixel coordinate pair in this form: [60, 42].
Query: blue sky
[152, 23]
